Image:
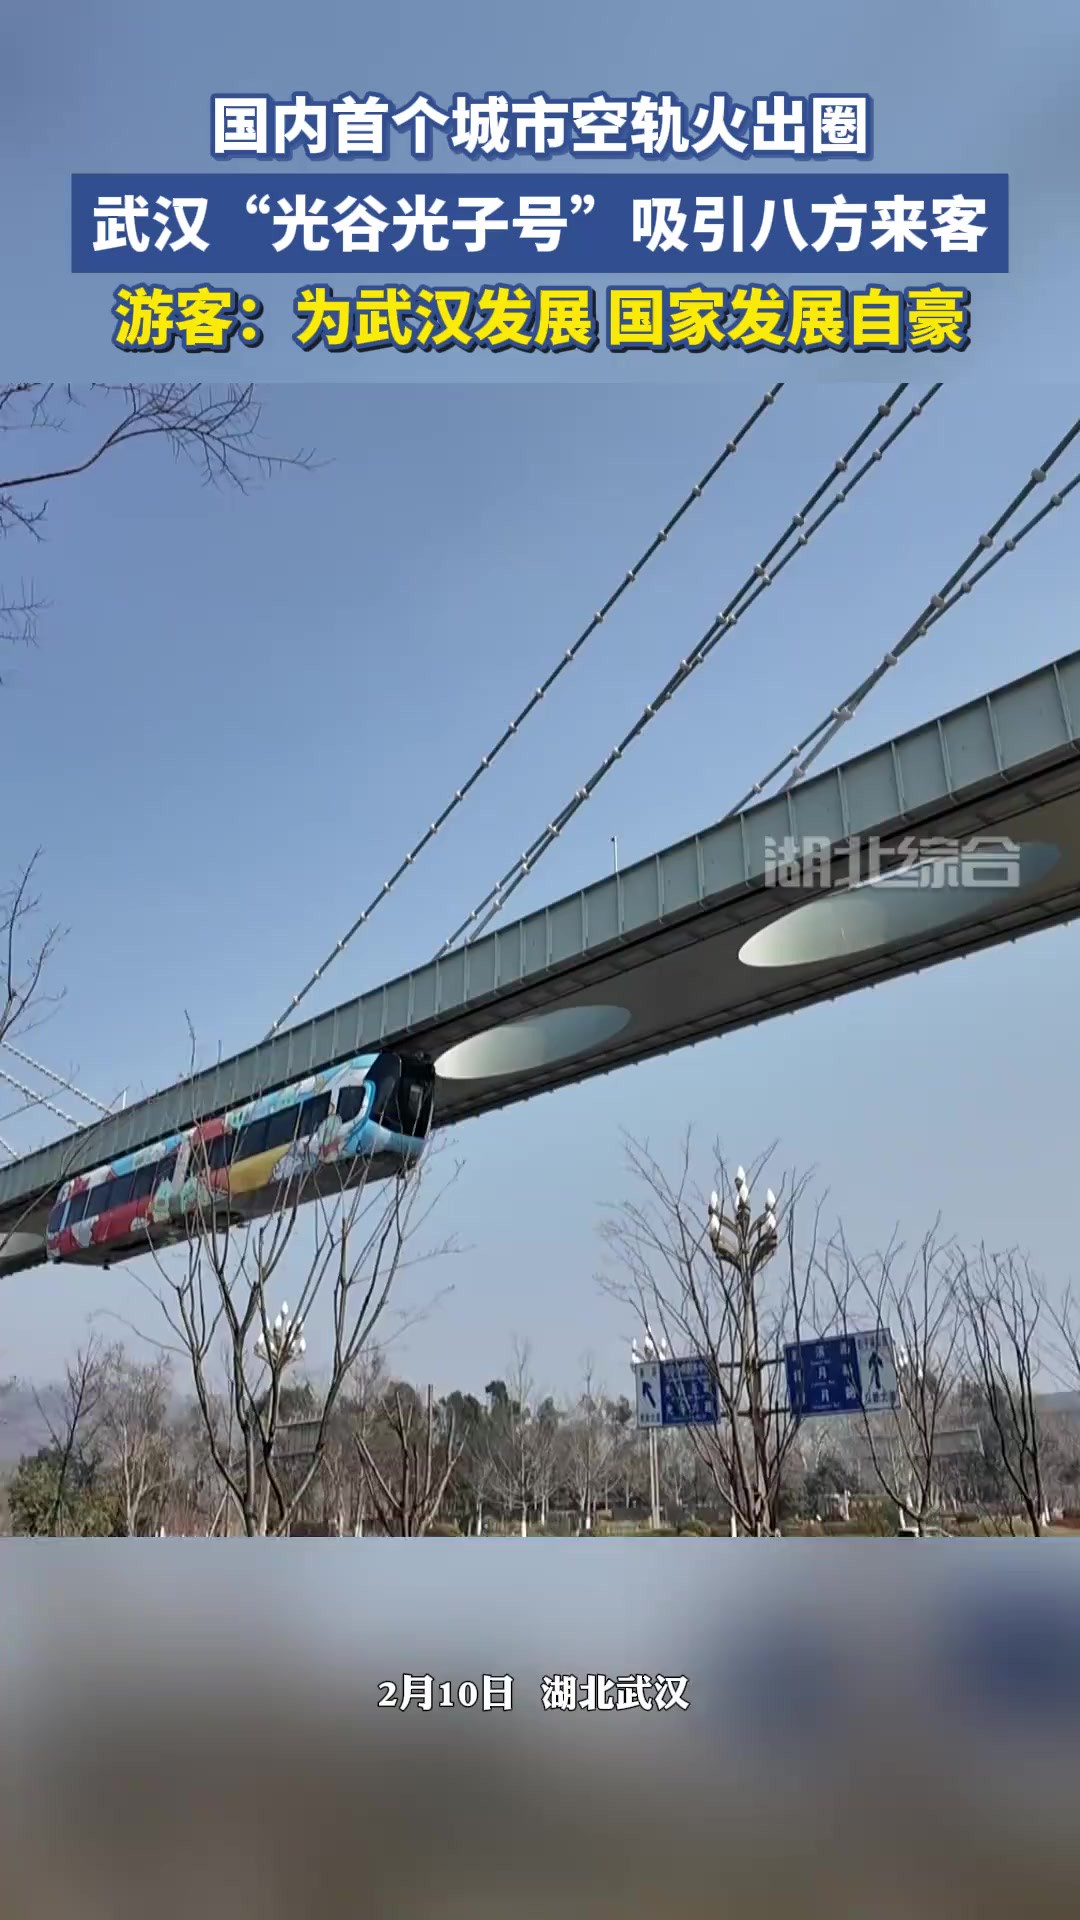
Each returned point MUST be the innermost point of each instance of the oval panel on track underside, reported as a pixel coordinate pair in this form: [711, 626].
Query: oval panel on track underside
[523, 1046]
[902, 905]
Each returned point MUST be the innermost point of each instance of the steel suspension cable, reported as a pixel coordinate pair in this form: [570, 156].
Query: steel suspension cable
[39, 1099]
[629, 579]
[762, 576]
[941, 603]
[56, 1078]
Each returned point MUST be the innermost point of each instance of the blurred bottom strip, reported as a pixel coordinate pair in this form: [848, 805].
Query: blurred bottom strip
[209, 1739]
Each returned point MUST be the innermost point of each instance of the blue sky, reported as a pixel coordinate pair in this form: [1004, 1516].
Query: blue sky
[242, 711]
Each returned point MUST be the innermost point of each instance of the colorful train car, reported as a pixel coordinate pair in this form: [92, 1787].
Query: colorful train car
[365, 1120]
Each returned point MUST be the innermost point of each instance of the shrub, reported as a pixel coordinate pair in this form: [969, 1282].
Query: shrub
[872, 1515]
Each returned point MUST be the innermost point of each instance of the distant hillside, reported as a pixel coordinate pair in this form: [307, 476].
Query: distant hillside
[1058, 1402]
[22, 1426]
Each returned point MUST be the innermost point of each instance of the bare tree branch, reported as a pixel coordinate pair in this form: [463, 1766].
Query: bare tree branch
[1003, 1304]
[409, 1495]
[24, 960]
[79, 1418]
[920, 1306]
[217, 430]
[215, 1299]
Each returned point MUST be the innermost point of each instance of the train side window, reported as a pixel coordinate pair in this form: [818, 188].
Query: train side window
[252, 1140]
[98, 1199]
[350, 1103]
[121, 1190]
[77, 1207]
[312, 1114]
[281, 1127]
[166, 1170]
[144, 1181]
[52, 1225]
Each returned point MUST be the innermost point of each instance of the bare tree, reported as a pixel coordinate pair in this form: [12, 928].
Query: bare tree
[478, 1471]
[24, 960]
[135, 1431]
[194, 1502]
[700, 1271]
[1003, 1305]
[217, 1304]
[1065, 1320]
[74, 1432]
[680, 1467]
[409, 1493]
[343, 1473]
[920, 1305]
[546, 1433]
[590, 1444]
[629, 1460]
[512, 1438]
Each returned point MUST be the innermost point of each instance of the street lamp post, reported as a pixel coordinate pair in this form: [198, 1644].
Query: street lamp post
[745, 1244]
[284, 1342]
[654, 1350]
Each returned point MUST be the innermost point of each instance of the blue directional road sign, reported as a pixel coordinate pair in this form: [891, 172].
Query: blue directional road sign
[847, 1373]
[650, 1411]
[675, 1393]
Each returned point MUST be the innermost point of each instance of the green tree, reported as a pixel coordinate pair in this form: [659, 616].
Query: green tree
[824, 1481]
[49, 1494]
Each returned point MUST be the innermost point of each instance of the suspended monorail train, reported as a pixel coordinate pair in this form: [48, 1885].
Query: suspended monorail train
[365, 1120]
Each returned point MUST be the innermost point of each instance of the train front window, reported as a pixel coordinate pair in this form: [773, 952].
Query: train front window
[384, 1106]
[53, 1223]
[402, 1101]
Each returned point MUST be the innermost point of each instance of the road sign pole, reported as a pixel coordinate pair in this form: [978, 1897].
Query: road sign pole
[654, 1479]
